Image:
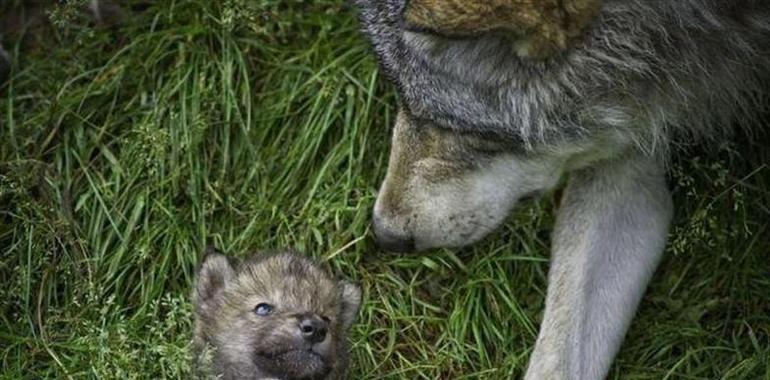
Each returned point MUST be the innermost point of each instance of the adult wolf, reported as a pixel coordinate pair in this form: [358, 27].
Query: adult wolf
[484, 122]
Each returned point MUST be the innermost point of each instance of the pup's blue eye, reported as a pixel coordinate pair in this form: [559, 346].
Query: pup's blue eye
[263, 309]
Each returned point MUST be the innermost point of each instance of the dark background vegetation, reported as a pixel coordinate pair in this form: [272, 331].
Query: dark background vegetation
[264, 124]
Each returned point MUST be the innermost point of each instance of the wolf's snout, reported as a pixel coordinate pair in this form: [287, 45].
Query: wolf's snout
[312, 328]
[389, 240]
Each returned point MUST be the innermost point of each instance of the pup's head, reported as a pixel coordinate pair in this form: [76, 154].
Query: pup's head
[274, 316]
[445, 188]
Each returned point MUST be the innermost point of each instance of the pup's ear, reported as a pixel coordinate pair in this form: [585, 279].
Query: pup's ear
[351, 302]
[214, 273]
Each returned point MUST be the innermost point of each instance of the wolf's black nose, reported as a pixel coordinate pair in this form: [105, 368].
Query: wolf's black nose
[312, 328]
[390, 241]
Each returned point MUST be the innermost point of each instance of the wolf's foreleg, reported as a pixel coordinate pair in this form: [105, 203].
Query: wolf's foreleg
[609, 236]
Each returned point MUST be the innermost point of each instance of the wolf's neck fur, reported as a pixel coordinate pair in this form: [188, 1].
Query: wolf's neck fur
[646, 68]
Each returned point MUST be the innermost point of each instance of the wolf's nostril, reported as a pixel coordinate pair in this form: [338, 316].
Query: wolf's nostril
[398, 245]
[389, 241]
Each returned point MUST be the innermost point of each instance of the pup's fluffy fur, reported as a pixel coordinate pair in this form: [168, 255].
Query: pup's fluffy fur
[272, 316]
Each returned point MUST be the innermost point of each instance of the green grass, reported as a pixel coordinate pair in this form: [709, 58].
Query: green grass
[264, 124]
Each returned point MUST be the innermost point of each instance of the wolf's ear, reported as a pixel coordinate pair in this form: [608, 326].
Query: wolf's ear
[214, 273]
[351, 302]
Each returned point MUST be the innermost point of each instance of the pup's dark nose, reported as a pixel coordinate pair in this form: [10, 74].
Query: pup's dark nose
[312, 328]
[390, 241]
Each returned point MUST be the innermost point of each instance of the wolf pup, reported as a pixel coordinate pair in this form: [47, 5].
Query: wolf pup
[272, 316]
[482, 126]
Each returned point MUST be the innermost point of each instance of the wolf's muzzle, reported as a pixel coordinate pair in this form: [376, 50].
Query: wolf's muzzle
[391, 241]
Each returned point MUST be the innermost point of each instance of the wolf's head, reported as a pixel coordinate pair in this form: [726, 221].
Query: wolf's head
[446, 188]
[627, 86]
[481, 127]
[541, 28]
[275, 316]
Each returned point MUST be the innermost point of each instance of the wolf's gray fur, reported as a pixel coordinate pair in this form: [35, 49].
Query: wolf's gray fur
[480, 127]
[273, 316]
[647, 68]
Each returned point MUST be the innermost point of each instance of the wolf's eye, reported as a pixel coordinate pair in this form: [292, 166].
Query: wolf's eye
[263, 309]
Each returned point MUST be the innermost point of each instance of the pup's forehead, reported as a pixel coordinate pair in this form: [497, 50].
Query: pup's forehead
[288, 279]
